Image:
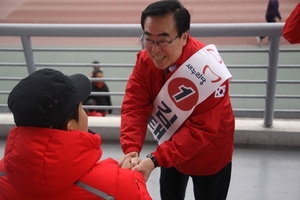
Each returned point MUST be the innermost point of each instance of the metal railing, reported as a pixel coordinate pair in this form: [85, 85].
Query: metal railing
[273, 30]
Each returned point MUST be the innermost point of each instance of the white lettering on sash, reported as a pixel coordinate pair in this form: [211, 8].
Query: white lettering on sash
[162, 120]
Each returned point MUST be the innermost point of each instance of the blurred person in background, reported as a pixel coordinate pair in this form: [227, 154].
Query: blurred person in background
[272, 13]
[95, 67]
[99, 86]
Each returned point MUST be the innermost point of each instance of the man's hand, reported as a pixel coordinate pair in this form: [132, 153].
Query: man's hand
[129, 160]
[145, 166]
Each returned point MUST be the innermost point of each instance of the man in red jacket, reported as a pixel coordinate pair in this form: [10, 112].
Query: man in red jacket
[51, 154]
[179, 90]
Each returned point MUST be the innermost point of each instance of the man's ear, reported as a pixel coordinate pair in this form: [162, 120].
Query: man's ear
[71, 125]
[185, 36]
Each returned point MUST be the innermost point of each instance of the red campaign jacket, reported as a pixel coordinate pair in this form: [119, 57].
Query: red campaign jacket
[42, 163]
[203, 145]
[291, 28]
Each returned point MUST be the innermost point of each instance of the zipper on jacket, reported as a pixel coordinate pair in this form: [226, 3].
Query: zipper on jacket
[137, 183]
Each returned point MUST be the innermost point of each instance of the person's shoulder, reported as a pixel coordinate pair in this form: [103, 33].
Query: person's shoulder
[144, 62]
[191, 47]
[103, 167]
[105, 85]
[143, 55]
[198, 44]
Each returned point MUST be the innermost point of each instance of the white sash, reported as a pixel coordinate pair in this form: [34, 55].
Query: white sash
[195, 80]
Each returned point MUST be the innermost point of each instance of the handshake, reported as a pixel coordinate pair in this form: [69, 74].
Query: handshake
[133, 162]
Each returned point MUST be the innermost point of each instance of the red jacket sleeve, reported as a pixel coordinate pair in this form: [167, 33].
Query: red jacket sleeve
[118, 182]
[291, 29]
[132, 185]
[2, 169]
[137, 103]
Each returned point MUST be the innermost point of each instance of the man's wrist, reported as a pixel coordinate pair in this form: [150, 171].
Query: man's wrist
[152, 157]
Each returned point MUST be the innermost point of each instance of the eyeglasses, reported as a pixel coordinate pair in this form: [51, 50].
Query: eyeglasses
[161, 43]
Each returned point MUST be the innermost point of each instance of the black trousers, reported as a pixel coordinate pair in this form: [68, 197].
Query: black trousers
[214, 187]
[269, 20]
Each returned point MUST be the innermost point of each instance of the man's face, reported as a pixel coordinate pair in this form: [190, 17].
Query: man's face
[163, 28]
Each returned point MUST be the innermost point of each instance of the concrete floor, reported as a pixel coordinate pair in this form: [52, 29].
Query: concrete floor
[258, 172]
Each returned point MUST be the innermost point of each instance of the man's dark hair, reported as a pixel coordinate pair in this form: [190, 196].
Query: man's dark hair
[162, 8]
[73, 115]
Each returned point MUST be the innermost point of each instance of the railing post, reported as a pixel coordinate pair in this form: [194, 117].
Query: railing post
[271, 80]
[28, 52]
